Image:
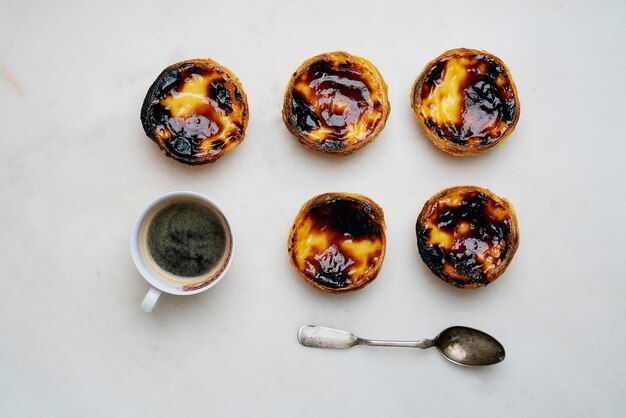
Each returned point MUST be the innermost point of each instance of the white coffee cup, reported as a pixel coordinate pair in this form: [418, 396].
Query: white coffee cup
[162, 281]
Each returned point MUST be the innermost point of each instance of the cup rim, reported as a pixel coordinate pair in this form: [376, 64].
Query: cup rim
[149, 275]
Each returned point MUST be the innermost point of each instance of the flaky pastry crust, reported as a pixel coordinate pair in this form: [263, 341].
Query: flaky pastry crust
[467, 236]
[195, 111]
[336, 103]
[466, 101]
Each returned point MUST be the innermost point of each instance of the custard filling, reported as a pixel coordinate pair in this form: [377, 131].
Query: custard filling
[466, 236]
[468, 99]
[197, 112]
[338, 242]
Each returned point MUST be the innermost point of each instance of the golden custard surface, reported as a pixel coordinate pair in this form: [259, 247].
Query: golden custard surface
[195, 111]
[338, 242]
[336, 101]
[467, 98]
[464, 236]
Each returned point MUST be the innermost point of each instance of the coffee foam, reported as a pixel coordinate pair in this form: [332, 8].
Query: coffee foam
[184, 283]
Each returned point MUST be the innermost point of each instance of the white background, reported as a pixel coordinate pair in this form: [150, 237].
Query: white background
[76, 169]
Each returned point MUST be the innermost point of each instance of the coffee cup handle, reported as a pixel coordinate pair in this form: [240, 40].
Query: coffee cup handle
[151, 299]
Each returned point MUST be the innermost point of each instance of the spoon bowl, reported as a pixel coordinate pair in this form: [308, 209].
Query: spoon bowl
[469, 347]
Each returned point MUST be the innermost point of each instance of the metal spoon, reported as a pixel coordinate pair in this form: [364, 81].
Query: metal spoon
[461, 345]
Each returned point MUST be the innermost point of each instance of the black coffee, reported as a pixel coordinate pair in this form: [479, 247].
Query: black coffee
[186, 238]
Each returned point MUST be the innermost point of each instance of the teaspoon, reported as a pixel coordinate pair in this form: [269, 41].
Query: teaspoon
[461, 345]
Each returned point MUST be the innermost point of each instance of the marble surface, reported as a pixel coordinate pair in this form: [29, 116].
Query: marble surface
[76, 169]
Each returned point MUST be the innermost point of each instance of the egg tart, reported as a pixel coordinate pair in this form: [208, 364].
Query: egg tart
[196, 111]
[467, 236]
[336, 103]
[337, 242]
[466, 101]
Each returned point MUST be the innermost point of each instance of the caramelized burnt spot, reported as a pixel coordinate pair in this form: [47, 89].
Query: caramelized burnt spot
[195, 111]
[304, 116]
[338, 242]
[466, 97]
[336, 103]
[467, 236]
[222, 95]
